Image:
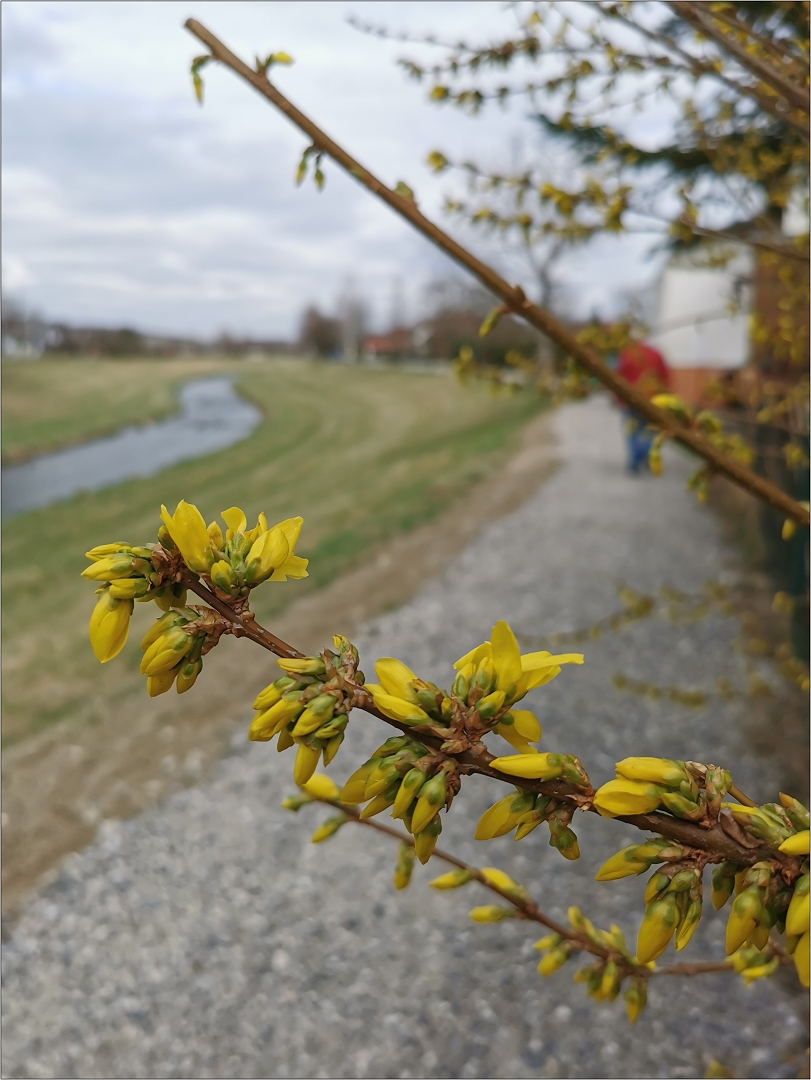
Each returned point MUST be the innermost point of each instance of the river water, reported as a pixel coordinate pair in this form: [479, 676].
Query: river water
[212, 416]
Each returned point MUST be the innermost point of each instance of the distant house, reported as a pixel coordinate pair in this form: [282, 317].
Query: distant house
[392, 346]
[702, 324]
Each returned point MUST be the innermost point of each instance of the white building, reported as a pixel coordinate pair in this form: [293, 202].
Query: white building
[702, 326]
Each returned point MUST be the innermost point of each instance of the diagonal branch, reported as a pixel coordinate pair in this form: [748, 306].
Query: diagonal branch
[718, 845]
[528, 909]
[699, 18]
[512, 296]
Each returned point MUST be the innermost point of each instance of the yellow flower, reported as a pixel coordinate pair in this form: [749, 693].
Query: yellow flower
[530, 766]
[523, 730]
[515, 674]
[396, 678]
[268, 552]
[109, 625]
[621, 797]
[293, 566]
[796, 844]
[236, 521]
[190, 533]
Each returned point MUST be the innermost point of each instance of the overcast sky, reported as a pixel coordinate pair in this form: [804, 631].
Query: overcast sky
[125, 203]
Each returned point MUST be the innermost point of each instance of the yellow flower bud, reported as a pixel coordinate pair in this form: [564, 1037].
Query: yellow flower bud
[376, 806]
[425, 841]
[328, 829]
[404, 867]
[166, 652]
[269, 696]
[797, 917]
[187, 675]
[110, 568]
[796, 844]
[688, 925]
[354, 790]
[743, 918]
[397, 708]
[317, 712]
[109, 626]
[321, 786]
[491, 913]
[159, 684]
[625, 797]
[530, 766]
[132, 588]
[657, 928]
[452, 880]
[553, 961]
[305, 764]
[621, 865]
[407, 792]
[502, 817]
[432, 797]
[502, 881]
[651, 770]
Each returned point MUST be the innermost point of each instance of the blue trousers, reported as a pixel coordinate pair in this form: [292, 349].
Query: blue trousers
[639, 438]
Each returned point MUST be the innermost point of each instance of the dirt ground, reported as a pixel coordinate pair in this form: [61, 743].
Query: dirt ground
[60, 785]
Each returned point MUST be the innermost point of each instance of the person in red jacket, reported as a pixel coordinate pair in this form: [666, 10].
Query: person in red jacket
[643, 367]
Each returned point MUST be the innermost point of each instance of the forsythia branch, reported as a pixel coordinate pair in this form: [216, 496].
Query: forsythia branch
[512, 296]
[716, 842]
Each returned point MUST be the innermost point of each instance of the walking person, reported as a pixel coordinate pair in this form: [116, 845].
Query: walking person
[643, 367]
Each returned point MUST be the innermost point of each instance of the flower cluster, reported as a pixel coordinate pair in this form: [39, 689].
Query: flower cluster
[673, 896]
[687, 790]
[231, 565]
[309, 706]
[416, 783]
[763, 900]
[490, 680]
[524, 810]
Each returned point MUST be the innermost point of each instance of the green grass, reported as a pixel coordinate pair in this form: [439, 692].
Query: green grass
[360, 454]
[48, 404]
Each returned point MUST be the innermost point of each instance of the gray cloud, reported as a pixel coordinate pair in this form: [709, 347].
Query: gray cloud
[124, 202]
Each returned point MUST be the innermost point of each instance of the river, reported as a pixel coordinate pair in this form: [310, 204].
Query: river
[212, 416]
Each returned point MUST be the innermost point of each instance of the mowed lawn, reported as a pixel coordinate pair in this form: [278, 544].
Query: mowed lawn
[360, 454]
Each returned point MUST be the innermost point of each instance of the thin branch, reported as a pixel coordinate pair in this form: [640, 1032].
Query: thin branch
[792, 94]
[775, 47]
[513, 296]
[701, 67]
[714, 841]
[529, 910]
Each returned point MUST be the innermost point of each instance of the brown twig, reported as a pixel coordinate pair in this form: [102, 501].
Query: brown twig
[717, 843]
[529, 910]
[512, 296]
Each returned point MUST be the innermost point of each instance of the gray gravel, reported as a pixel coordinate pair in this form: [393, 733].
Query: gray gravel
[208, 938]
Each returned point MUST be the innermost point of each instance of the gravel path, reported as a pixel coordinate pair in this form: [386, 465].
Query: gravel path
[207, 938]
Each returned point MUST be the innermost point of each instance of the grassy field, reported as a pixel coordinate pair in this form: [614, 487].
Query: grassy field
[360, 454]
[49, 404]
